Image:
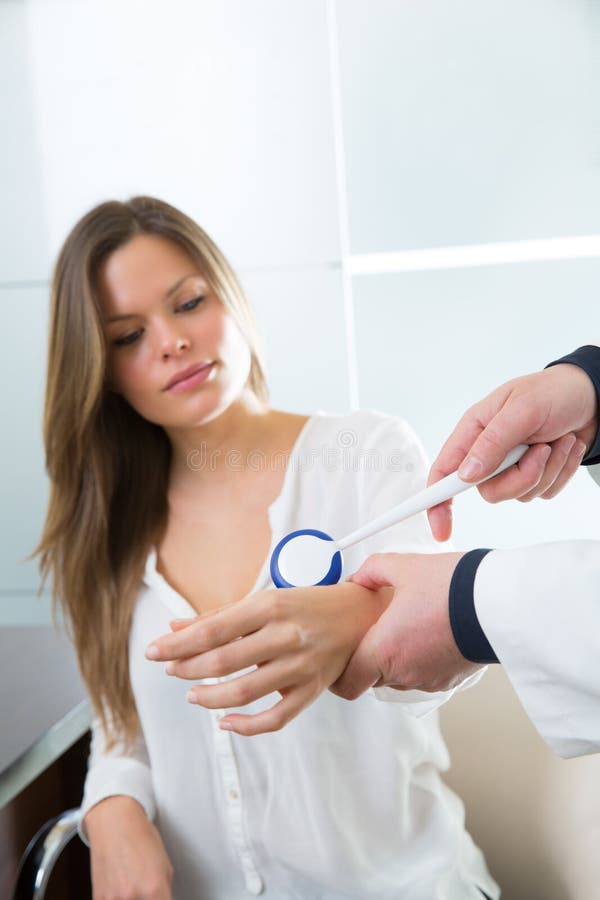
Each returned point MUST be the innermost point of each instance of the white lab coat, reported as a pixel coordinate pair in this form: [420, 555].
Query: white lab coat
[540, 610]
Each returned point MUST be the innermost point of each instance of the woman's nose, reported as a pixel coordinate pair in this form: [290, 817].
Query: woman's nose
[173, 345]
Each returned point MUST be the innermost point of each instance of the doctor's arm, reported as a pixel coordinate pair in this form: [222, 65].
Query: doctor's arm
[432, 624]
[536, 610]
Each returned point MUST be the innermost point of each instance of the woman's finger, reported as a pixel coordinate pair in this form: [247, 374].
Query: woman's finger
[210, 631]
[560, 451]
[252, 650]
[235, 692]
[273, 719]
[178, 624]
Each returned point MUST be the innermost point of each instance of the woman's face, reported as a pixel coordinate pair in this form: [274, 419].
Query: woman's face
[161, 319]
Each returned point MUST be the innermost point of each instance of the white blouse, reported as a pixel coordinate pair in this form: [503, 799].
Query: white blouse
[346, 801]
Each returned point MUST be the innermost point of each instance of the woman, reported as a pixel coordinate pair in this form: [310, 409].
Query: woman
[171, 479]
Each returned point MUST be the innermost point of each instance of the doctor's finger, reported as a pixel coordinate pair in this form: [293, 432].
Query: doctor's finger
[457, 445]
[571, 466]
[273, 719]
[361, 673]
[518, 479]
[515, 421]
[560, 451]
[380, 570]
[440, 520]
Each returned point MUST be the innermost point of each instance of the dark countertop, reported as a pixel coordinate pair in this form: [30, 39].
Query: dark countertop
[43, 704]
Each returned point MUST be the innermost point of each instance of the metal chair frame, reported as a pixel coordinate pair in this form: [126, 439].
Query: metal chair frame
[41, 855]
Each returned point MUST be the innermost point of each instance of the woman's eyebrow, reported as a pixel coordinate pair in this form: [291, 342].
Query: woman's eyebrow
[169, 293]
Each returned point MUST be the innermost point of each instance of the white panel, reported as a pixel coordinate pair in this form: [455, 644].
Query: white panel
[23, 483]
[469, 122]
[220, 108]
[300, 315]
[23, 253]
[431, 344]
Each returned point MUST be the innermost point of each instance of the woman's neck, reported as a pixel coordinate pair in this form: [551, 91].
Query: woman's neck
[219, 449]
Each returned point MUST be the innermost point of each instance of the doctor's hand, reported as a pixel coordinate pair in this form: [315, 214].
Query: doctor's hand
[554, 410]
[300, 639]
[411, 646]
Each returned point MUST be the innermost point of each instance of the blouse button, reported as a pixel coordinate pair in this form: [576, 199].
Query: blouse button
[254, 883]
[233, 793]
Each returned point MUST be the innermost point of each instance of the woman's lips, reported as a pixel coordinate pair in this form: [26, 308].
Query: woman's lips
[196, 378]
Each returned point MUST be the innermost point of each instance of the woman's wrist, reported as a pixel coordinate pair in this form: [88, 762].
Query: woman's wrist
[372, 603]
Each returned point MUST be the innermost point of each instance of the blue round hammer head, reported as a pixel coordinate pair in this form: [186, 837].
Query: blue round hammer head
[306, 558]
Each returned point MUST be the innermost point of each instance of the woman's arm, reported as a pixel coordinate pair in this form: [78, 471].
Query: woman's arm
[300, 639]
[128, 858]
[122, 770]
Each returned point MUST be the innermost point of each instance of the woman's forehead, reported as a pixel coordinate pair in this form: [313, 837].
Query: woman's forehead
[147, 268]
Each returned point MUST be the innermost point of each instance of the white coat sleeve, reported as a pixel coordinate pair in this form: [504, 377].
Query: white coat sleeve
[401, 472]
[116, 771]
[540, 610]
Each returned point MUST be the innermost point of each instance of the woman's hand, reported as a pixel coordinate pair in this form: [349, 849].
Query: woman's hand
[300, 638]
[128, 858]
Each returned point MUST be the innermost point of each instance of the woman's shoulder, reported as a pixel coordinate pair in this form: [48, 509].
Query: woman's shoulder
[364, 427]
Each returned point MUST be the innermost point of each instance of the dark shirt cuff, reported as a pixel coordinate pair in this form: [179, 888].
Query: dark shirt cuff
[468, 633]
[588, 359]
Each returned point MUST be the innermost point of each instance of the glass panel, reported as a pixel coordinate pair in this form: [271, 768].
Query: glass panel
[228, 117]
[469, 122]
[301, 318]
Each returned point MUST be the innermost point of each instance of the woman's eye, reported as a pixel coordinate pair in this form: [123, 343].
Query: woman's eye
[131, 338]
[128, 339]
[191, 304]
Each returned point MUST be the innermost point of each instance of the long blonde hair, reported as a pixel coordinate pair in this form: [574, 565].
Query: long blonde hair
[108, 466]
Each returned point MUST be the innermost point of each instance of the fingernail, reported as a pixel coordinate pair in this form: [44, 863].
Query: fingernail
[152, 652]
[570, 443]
[470, 467]
[580, 449]
[191, 697]
[170, 668]
[226, 726]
